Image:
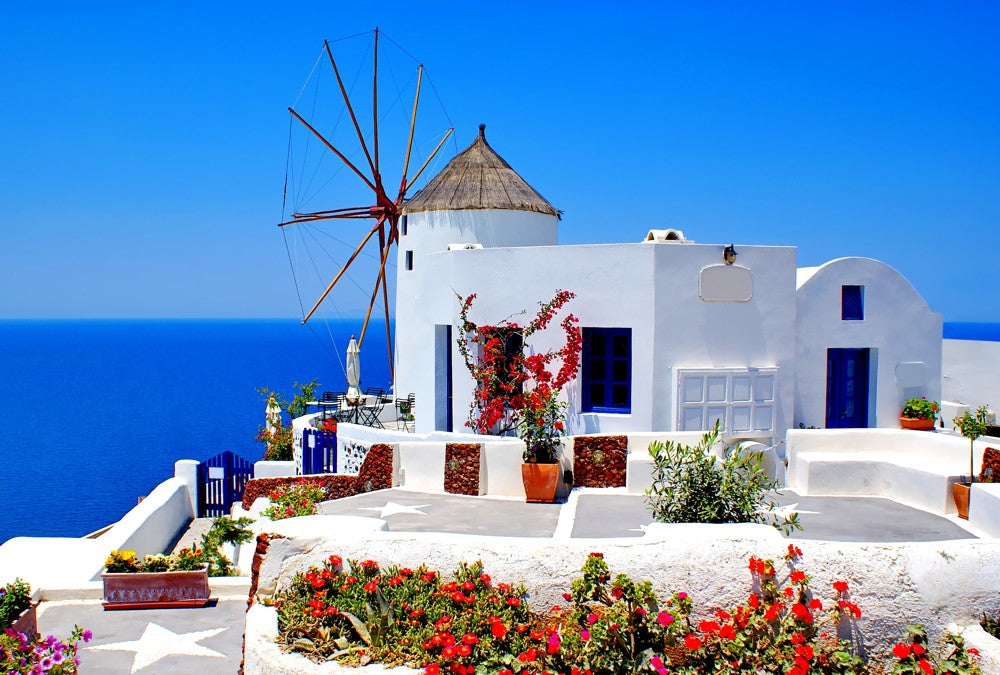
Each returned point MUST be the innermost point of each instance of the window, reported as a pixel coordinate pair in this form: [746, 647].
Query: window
[409, 260]
[607, 370]
[852, 303]
[402, 225]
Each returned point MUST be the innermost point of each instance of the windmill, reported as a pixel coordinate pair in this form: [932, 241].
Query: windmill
[385, 200]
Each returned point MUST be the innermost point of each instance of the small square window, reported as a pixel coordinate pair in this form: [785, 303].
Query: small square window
[852, 306]
[409, 260]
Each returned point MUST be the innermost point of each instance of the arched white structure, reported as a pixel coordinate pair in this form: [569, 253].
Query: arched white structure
[901, 334]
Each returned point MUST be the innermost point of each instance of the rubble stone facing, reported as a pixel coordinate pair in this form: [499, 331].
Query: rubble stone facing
[599, 461]
[461, 468]
[375, 474]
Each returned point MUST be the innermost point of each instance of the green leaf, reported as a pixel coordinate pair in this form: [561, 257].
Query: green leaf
[359, 628]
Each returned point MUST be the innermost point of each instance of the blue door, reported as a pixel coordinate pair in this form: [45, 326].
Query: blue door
[846, 388]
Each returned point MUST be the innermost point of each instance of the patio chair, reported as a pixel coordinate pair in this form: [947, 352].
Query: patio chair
[329, 401]
[404, 413]
[369, 413]
[344, 412]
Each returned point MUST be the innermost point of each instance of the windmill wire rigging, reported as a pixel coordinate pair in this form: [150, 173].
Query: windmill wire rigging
[323, 155]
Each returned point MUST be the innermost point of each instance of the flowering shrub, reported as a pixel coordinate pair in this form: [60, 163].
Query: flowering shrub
[690, 486]
[296, 499]
[223, 530]
[501, 370]
[15, 597]
[402, 615]
[914, 657]
[469, 625]
[279, 442]
[20, 654]
[920, 408]
[329, 425]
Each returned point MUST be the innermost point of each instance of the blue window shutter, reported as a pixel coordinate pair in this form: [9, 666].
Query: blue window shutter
[607, 370]
[852, 303]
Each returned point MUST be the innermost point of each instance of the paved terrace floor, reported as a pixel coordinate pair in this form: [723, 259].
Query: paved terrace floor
[607, 513]
[209, 640]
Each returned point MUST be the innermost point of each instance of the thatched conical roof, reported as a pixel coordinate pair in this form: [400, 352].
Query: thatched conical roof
[478, 178]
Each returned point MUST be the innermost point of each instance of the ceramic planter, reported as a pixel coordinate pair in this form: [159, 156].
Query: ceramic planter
[960, 492]
[27, 622]
[917, 423]
[152, 590]
[540, 482]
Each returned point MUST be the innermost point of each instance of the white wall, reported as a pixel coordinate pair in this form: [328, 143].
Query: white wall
[898, 326]
[970, 374]
[424, 298]
[652, 289]
[65, 562]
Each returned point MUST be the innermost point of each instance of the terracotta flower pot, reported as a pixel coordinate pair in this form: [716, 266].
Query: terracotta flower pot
[960, 492]
[540, 482]
[27, 622]
[152, 590]
[917, 423]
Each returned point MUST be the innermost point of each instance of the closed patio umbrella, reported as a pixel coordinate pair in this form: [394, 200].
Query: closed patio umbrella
[353, 371]
[272, 414]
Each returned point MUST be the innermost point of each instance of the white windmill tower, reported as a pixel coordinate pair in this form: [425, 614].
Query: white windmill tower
[476, 201]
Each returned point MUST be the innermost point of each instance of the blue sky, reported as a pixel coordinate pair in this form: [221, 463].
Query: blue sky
[145, 144]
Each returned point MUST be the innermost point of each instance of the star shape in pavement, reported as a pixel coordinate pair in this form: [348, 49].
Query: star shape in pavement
[789, 509]
[392, 508]
[158, 642]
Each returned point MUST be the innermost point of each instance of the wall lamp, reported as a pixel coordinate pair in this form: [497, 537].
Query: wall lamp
[729, 254]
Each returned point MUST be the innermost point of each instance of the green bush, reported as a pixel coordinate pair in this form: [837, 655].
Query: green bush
[15, 597]
[690, 485]
[224, 530]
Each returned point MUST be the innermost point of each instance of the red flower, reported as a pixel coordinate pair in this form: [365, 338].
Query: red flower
[692, 642]
[901, 650]
[919, 649]
[840, 586]
[798, 576]
[499, 630]
[926, 666]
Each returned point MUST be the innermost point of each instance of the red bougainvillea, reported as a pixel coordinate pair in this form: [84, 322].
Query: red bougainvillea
[518, 391]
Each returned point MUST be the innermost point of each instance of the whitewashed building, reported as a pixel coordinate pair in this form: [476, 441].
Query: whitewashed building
[676, 334]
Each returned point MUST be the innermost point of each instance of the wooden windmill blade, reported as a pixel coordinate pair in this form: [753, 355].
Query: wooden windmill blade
[386, 210]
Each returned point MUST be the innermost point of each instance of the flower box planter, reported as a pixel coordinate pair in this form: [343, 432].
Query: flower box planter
[156, 590]
[540, 482]
[27, 621]
[916, 423]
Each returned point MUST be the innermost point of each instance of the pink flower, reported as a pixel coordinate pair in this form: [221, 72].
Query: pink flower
[664, 619]
[585, 635]
[592, 619]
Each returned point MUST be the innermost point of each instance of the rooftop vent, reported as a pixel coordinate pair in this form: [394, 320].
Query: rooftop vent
[463, 247]
[670, 235]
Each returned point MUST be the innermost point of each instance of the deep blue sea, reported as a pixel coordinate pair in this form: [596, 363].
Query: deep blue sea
[94, 413]
[969, 330]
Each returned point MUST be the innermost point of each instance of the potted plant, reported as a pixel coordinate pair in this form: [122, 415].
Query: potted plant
[919, 413]
[17, 611]
[179, 580]
[156, 581]
[518, 392]
[972, 427]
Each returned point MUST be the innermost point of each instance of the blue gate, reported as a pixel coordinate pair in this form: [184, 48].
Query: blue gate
[221, 480]
[319, 451]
